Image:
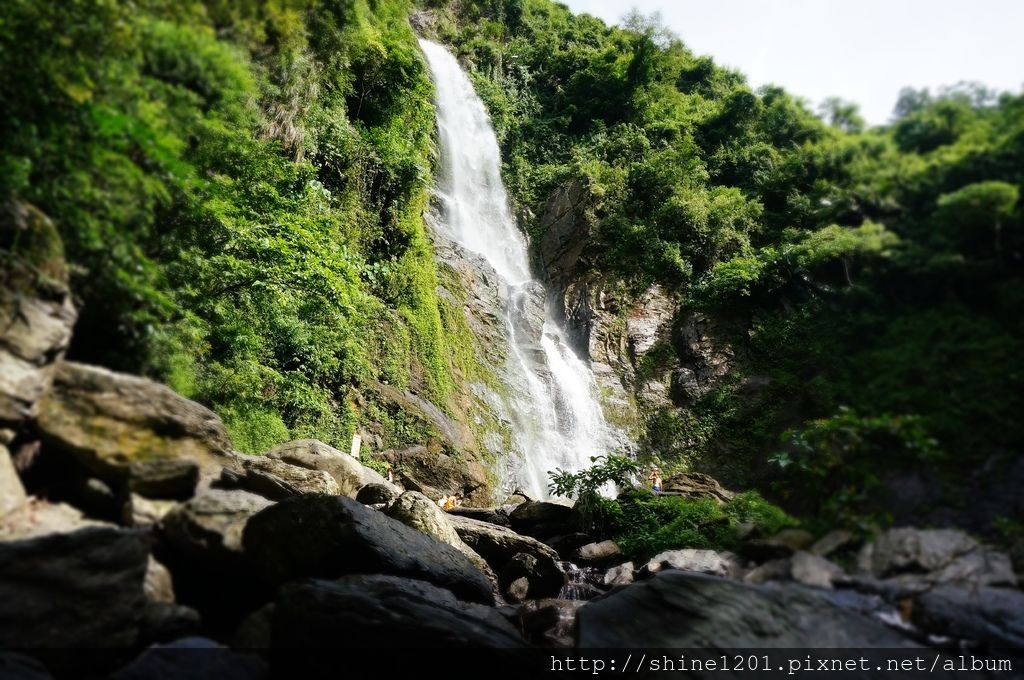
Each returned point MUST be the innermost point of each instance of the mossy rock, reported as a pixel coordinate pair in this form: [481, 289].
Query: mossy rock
[132, 431]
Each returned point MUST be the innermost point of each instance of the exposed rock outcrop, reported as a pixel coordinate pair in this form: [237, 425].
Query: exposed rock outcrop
[697, 485]
[565, 228]
[436, 474]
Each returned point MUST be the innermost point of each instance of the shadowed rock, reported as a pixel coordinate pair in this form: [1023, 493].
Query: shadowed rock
[364, 611]
[686, 610]
[331, 536]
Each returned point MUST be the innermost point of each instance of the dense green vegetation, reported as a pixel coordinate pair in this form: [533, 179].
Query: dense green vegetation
[873, 274]
[644, 524]
[240, 187]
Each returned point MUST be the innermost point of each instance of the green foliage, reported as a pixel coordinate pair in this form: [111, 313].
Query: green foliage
[240, 187]
[607, 469]
[831, 464]
[644, 524]
[973, 219]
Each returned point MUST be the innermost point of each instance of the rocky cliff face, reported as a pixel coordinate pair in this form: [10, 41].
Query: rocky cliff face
[651, 357]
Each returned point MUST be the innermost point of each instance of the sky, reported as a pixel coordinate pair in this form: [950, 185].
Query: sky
[864, 51]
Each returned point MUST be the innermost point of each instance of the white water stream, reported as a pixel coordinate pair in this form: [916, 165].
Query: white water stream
[557, 420]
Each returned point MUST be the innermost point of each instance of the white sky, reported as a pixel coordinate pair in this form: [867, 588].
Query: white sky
[861, 50]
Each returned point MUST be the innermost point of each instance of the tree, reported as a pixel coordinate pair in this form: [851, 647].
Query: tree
[973, 218]
[842, 114]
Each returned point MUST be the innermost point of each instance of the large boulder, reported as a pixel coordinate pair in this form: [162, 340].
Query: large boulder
[415, 510]
[67, 583]
[437, 474]
[528, 576]
[12, 493]
[598, 554]
[331, 536]
[814, 570]
[935, 556]
[347, 471]
[697, 485]
[690, 559]
[993, 616]
[377, 494]
[206, 531]
[499, 545]
[40, 518]
[981, 567]
[131, 431]
[909, 550]
[679, 609]
[36, 312]
[375, 611]
[621, 575]
[276, 479]
[489, 515]
[201, 543]
[544, 519]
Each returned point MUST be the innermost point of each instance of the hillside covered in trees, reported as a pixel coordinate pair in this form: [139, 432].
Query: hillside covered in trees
[240, 190]
[227, 261]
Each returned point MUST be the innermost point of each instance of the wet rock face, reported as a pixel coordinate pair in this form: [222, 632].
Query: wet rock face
[36, 311]
[565, 226]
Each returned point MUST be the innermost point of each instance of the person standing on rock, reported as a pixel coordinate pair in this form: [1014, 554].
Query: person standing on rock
[655, 478]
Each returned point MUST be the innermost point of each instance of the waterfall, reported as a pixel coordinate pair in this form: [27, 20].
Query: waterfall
[556, 419]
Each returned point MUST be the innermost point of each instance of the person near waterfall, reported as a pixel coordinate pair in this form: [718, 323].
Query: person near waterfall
[655, 478]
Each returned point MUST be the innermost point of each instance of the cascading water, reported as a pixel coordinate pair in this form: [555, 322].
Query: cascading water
[557, 420]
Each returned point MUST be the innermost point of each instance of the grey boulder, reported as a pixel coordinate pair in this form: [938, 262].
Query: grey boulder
[332, 536]
[311, 454]
[374, 611]
[678, 609]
